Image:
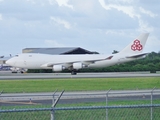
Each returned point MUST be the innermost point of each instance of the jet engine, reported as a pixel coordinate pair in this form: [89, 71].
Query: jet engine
[58, 68]
[79, 66]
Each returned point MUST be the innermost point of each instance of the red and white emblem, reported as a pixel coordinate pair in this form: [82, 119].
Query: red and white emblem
[136, 46]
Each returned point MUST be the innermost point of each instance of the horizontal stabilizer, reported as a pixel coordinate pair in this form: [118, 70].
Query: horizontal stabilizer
[137, 56]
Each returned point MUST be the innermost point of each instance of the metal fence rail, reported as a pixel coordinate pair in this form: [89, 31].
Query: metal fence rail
[125, 112]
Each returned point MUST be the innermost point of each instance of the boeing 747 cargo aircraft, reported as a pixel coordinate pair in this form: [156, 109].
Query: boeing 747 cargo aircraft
[58, 63]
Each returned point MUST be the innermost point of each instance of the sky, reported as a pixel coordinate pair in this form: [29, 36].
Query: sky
[95, 25]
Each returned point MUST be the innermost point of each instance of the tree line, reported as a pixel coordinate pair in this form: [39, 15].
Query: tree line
[150, 63]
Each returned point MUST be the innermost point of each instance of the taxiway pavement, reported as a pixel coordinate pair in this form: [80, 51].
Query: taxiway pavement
[77, 97]
[12, 76]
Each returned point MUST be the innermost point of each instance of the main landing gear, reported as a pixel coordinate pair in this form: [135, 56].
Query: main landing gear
[73, 72]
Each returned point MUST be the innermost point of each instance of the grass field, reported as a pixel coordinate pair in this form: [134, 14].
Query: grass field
[78, 84]
[74, 84]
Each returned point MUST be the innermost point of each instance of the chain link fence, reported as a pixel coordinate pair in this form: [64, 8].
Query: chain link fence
[110, 105]
[139, 112]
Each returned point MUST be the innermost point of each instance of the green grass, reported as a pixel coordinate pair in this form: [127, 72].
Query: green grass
[78, 84]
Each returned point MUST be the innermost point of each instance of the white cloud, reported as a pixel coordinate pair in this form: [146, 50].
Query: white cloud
[144, 27]
[60, 21]
[129, 10]
[64, 3]
[53, 43]
[32, 1]
[86, 6]
[1, 17]
[41, 2]
[29, 25]
[102, 2]
[153, 42]
[120, 1]
[147, 12]
[51, 2]
[118, 32]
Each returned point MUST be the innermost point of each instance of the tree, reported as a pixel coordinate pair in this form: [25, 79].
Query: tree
[114, 52]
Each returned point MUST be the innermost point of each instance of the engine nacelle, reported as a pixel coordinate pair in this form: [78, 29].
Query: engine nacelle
[58, 68]
[79, 66]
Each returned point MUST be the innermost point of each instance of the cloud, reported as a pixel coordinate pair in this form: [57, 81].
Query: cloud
[51, 2]
[86, 7]
[153, 42]
[120, 1]
[1, 17]
[147, 12]
[32, 1]
[60, 21]
[64, 3]
[118, 32]
[144, 27]
[131, 9]
[53, 43]
[127, 9]
[42, 2]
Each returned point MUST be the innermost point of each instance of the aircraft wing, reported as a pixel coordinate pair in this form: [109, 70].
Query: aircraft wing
[68, 64]
[137, 56]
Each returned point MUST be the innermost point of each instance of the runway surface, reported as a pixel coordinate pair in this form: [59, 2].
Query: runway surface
[8, 75]
[77, 97]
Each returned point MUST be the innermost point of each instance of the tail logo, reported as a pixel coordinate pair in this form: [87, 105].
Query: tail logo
[136, 45]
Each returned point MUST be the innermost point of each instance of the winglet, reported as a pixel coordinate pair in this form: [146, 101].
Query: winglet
[137, 45]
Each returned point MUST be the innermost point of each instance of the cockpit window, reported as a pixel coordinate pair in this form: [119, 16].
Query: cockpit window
[16, 55]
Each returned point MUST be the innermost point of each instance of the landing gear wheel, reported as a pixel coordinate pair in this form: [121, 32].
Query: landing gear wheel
[73, 72]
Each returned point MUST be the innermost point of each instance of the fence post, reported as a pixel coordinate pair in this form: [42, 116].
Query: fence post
[107, 103]
[53, 102]
[152, 103]
[0, 96]
[1, 92]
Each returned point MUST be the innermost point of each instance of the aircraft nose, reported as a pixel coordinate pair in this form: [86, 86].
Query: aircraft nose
[9, 62]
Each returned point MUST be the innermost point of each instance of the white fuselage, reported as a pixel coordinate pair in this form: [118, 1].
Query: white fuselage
[40, 61]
